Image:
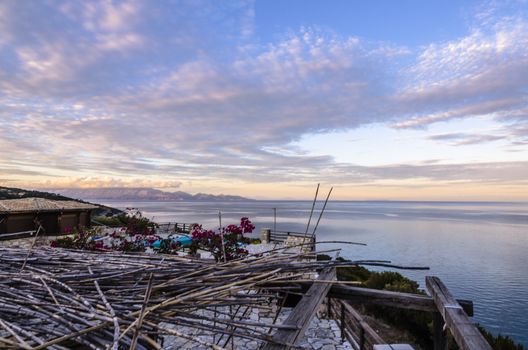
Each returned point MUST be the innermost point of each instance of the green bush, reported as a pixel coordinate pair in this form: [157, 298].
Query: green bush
[110, 221]
[392, 281]
[500, 342]
[135, 223]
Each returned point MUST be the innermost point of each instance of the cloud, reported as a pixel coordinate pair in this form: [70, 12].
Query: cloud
[105, 182]
[470, 110]
[462, 139]
[490, 172]
[482, 73]
[130, 90]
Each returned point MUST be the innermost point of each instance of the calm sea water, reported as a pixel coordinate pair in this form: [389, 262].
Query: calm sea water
[479, 250]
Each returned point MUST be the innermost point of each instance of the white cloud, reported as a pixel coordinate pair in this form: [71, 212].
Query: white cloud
[133, 90]
[489, 64]
[469, 110]
[462, 139]
[99, 182]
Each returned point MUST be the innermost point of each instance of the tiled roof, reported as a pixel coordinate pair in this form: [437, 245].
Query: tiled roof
[40, 204]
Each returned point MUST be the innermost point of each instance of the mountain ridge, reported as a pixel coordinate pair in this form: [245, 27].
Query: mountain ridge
[140, 193]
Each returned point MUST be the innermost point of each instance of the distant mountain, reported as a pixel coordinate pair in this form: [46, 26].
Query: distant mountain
[140, 194]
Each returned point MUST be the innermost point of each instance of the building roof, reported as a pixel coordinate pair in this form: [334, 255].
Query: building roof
[23, 205]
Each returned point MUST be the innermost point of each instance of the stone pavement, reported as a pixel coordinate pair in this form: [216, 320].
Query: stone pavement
[322, 334]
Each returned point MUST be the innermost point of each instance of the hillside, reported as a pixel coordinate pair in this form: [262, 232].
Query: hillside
[17, 193]
[140, 194]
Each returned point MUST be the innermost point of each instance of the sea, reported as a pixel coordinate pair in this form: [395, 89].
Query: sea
[479, 249]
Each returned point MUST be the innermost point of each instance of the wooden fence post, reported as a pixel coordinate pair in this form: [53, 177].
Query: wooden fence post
[439, 335]
[361, 338]
[342, 322]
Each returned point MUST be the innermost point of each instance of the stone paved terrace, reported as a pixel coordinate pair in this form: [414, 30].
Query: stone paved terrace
[322, 334]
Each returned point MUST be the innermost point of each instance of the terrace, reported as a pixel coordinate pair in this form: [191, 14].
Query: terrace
[278, 297]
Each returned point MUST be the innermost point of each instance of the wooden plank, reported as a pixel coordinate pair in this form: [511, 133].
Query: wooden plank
[389, 298]
[466, 334]
[303, 313]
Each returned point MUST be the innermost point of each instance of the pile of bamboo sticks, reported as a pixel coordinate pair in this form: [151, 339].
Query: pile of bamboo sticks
[61, 299]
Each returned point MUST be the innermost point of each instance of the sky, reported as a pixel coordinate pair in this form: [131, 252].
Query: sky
[383, 100]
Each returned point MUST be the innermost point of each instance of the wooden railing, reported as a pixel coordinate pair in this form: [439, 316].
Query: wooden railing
[16, 235]
[453, 317]
[394, 299]
[352, 325]
[448, 314]
[174, 227]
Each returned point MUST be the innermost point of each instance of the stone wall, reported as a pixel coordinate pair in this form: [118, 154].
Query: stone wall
[296, 241]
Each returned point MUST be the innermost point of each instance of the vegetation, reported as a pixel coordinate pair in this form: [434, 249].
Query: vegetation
[18, 193]
[82, 238]
[419, 324]
[109, 221]
[233, 239]
[500, 342]
[137, 233]
[131, 218]
[94, 239]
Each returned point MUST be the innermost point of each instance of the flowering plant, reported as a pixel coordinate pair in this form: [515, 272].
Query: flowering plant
[137, 224]
[79, 239]
[139, 234]
[232, 240]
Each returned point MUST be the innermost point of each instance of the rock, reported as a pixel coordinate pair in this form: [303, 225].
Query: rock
[328, 347]
[252, 345]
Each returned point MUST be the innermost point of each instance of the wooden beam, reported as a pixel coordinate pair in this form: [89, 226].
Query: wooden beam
[388, 298]
[303, 313]
[466, 334]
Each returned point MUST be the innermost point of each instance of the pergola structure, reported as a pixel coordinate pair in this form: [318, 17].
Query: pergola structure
[25, 215]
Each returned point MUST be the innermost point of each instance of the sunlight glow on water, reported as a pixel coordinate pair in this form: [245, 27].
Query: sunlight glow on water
[480, 250]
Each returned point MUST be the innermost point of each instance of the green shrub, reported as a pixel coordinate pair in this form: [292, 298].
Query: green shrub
[392, 281]
[110, 221]
[500, 342]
